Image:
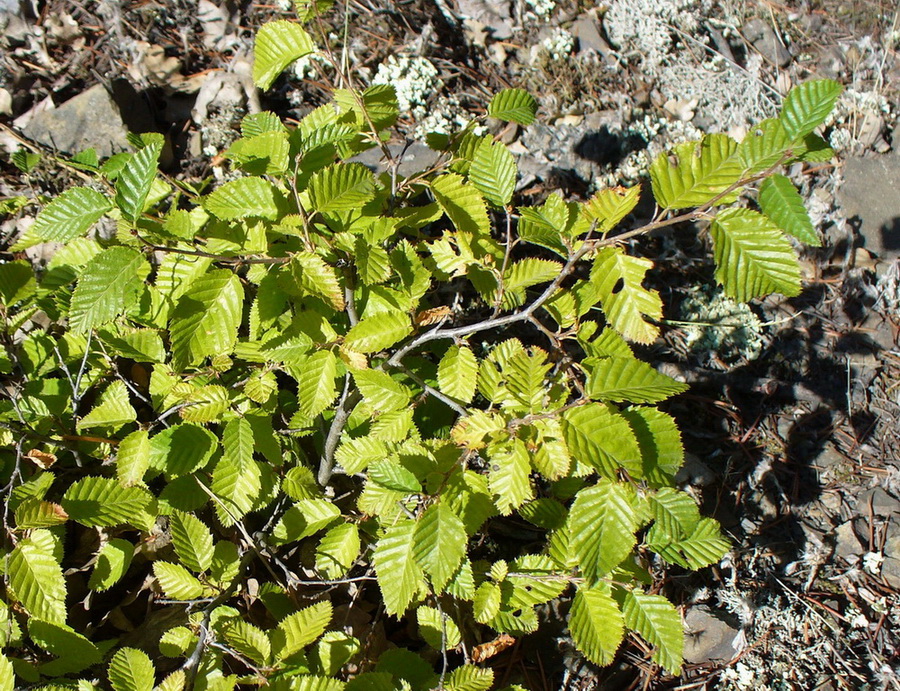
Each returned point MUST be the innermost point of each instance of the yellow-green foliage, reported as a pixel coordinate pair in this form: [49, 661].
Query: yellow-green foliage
[332, 381]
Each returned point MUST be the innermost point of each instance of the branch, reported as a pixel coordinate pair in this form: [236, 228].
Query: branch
[192, 664]
[349, 399]
[587, 247]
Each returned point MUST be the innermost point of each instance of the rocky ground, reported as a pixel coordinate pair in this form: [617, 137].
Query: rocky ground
[792, 418]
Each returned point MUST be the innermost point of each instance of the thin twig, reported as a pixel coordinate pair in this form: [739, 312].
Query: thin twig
[349, 399]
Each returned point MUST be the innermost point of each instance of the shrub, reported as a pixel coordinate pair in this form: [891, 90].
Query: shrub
[317, 386]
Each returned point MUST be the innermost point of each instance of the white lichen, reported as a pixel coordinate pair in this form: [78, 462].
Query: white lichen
[717, 326]
[447, 117]
[541, 8]
[414, 79]
[558, 45]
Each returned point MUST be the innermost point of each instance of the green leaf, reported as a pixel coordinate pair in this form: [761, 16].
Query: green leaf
[398, 573]
[306, 517]
[278, 44]
[130, 669]
[378, 332]
[457, 373]
[526, 378]
[393, 476]
[764, 146]
[509, 476]
[695, 173]
[486, 603]
[608, 207]
[34, 513]
[629, 379]
[807, 105]
[617, 278]
[658, 623]
[182, 449]
[206, 320]
[73, 651]
[700, 546]
[113, 561]
[299, 629]
[315, 385]
[380, 391]
[493, 171]
[602, 523]
[462, 203]
[36, 578]
[602, 439]
[333, 651]
[355, 455]
[338, 550]
[341, 187]
[113, 410]
[782, 204]
[176, 581]
[513, 105]
[314, 277]
[135, 179]
[373, 262]
[470, 678]
[674, 511]
[753, 258]
[439, 544]
[205, 404]
[103, 502]
[110, 284]
[7, 675]
[192, 540]
[70, 215]
[250, 197]
[17, 282]
[596, 624]
[660, 443]
[249, 641]
[437, 628]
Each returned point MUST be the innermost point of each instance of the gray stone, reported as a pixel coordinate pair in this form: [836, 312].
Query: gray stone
[694, 472]
[846, 545]
[415, 158]
[587, 31]
[90, 119]
[709, 635]
[870, 196]
[877, 502]
[14, 29]
[495, 16]
[890, 567]
[766, 41]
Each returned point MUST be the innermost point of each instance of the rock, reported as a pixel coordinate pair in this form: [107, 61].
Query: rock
[587, 31]
[890, 567]
[14, 30]
[766, 41]
[91, 119]
[709, 635]
[694, 472]
[869, 196]
[415, 158]
[846, 545]
[495, 16]
[11, 6]
[881, 503]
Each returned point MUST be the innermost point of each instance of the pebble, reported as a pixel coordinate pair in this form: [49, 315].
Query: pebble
[766, 41]
[90, 119]
[709, 635]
